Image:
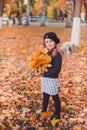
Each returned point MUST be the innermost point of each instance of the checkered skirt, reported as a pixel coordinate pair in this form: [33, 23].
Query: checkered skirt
[49, 85]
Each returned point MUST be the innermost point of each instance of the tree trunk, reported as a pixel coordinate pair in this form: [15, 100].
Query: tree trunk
[75, 37]
[85, 5]
[69, 14]
[68, 47]
[1, 12]
[27, 12]
[43, 12]
[20, 13]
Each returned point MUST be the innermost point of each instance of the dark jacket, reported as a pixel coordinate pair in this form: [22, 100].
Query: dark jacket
[56, 66]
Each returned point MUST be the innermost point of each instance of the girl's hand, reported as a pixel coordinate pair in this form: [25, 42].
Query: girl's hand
[40, 73]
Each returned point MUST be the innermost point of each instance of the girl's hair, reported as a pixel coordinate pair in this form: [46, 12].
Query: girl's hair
[54, 52]
[44, 43]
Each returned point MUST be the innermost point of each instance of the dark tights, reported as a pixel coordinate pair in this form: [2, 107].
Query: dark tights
[56, 102]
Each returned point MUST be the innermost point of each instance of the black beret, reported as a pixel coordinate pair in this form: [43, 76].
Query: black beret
[53, 36]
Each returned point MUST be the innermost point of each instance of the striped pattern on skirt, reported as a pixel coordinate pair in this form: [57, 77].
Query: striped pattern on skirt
[49, 85]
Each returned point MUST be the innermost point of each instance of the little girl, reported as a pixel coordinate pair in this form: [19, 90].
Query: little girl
[49, 79]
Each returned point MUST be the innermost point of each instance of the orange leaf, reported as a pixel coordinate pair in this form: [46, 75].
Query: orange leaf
[46, 114]
[77, 128]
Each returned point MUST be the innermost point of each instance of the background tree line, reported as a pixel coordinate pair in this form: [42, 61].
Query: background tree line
[53, 7]
[46, 7]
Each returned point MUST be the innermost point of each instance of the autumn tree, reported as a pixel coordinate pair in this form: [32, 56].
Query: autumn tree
[75, 37]
[1, 12]
[27, 11]
[9, 1]
[85, 6]
[69, 14]
[67, 47]
[16, 6]
[43, 12]
[20, 12]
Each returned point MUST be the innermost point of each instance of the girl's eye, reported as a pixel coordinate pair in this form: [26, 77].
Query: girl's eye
[51, 40]
[46, 42]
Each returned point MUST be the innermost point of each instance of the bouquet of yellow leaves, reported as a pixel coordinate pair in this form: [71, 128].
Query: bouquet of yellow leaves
[40, 60]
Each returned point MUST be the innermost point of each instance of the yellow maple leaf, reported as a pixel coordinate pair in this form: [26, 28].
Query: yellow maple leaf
[54, 122]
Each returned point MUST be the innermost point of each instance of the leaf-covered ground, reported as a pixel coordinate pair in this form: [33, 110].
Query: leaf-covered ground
[20, 94]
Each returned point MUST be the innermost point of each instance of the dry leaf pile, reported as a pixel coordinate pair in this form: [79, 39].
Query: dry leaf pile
[20, 94]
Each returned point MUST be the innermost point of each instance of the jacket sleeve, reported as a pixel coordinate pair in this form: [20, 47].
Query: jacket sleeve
[56, 66]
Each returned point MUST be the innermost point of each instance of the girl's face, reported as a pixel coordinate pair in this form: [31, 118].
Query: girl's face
[50, 44]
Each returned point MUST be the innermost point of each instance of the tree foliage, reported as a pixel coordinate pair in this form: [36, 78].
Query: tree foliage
[52, 7]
